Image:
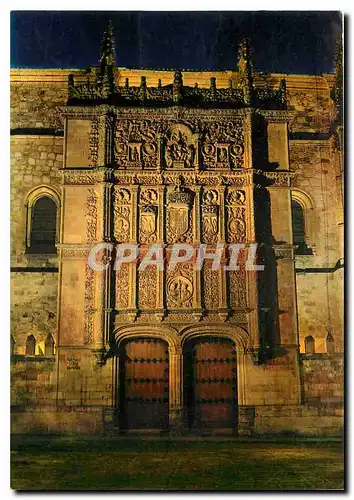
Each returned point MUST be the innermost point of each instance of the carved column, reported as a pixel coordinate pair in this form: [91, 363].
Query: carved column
[176, 389]
[197, 300]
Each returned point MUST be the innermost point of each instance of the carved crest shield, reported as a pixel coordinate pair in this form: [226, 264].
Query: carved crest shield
[148, 222]
[178, 218]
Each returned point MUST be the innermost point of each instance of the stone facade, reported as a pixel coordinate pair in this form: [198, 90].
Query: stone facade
[162, 157]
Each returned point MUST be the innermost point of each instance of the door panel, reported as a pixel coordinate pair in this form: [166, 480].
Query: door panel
[210, 384]
[143, 384]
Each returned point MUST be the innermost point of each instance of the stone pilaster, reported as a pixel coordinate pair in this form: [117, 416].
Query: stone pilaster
[176, 390]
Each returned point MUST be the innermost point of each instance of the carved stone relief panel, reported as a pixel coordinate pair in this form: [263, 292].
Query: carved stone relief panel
[122, 286]
[121, 214]
[147, 284]
[149, 212]
[180, 286]
[222, 145]
[91, 215]
[210, 215]
[237, 282]
[89, 303]
[210, 286]
[236, 215]
[137, 144]
[180, 147]
[179, 215]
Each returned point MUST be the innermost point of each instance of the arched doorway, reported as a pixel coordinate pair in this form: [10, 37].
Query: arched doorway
[143, 384]
[210, 384]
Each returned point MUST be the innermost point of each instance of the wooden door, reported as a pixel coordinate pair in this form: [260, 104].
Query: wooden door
[143, 384]
[210, 384]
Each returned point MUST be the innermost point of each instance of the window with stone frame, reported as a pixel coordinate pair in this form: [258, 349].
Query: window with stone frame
[49, 346]
[298, 225]
[43, 226]
[30, 346]
[310, 345]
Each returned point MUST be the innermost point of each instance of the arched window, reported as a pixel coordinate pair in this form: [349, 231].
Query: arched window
[302, 209]
[43, 226]
[298, 226]
[30, 346]
[49, 346]
[43, 206]
[309, 345]
[330, 343]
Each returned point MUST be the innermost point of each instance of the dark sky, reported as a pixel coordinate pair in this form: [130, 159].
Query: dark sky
[283, 42]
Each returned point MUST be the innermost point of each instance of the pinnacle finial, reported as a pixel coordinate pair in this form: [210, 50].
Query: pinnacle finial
[245, 69]
[107, 57]
[107, 60]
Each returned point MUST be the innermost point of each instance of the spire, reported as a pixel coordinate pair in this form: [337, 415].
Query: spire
[245, 69]
[107, 60]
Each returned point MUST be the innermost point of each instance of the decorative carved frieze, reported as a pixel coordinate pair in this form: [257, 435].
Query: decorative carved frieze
[211, 292]
[122, 286]
[91, 216]
[147, 284]
[94, 141]
[89, 304]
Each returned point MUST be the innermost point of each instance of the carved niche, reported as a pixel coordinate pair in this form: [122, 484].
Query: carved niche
[222, 145]
[236, 215]
[210, 216]
[179, 215]
[121, 214]
[180, 147]
[136, 144]
[149, 199]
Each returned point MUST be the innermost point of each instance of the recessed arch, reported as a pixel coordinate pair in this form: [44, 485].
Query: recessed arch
[168, 334]
[235, 333]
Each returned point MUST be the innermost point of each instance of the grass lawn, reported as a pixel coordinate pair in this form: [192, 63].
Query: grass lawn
[39, 463]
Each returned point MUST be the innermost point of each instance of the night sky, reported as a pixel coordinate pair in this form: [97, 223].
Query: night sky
[283, 42]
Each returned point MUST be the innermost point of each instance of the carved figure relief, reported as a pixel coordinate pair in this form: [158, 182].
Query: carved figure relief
[136, 144]
[223, 145]
[121, 214]
[179, 147]
[180, 291]
[236, 216]
[210, 216]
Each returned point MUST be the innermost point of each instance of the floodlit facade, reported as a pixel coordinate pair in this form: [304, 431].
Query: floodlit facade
[117, 156]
